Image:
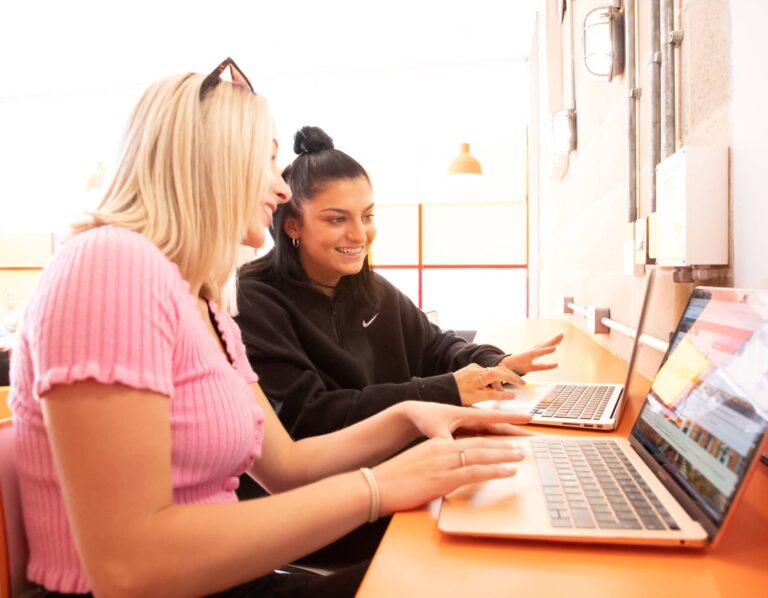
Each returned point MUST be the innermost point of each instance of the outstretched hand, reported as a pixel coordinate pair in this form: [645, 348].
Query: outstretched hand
[435, 420]
[525, 362]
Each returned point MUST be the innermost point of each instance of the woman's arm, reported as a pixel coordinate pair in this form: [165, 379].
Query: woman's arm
[443, 351]
[301, 366]
[315, 385]
[111, 446]
[367, 443]
[293, 463]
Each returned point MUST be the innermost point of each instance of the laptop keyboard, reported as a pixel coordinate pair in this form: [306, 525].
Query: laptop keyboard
[592, 484]
[574, 401]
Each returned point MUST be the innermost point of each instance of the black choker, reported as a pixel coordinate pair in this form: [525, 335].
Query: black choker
[320, 284]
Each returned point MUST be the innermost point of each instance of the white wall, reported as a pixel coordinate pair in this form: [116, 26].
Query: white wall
[51, 144]
[403, 124]
[398, 85]
[750, 135]
[583, 211]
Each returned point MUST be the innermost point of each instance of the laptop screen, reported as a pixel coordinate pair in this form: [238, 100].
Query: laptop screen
[707, 409]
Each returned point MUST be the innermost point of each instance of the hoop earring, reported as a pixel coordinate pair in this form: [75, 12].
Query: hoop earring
[295, 242]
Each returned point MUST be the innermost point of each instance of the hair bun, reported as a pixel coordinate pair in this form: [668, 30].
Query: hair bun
[310, 140]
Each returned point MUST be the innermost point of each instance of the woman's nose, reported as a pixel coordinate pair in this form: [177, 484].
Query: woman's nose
[356, 231]
[281, 190]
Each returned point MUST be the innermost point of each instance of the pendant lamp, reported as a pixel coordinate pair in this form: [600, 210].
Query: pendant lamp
[465, 163]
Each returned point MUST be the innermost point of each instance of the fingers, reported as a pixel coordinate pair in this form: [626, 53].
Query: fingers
[477, 450]
[437, 467]
[495, 395]
[540, 351]
[444, 433]
[555, 340]
[474, 474]
[495, 376]
[538, 367]
[536, 354]
[488, 456]
[472, 450]
[481, 442]
[506, 430]
[482, 460]
[495, 416]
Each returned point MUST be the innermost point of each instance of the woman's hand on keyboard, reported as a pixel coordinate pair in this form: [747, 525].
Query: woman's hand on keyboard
[438, 466]
[435, 420]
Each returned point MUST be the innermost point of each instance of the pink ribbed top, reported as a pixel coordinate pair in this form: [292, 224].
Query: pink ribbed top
[113, 308]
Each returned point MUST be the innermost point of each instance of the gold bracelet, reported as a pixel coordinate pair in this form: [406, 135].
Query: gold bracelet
[373, 514]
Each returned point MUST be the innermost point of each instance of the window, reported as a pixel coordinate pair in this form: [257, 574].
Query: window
[467, 261]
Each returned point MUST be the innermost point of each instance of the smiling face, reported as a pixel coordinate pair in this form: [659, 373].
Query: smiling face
[335, 230]
[277, 193]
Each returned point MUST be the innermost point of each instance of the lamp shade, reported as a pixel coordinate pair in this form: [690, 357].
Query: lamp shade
[604, 43]
[465, 163]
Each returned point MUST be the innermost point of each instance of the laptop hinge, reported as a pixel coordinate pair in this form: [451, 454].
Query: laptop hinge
[617, 404]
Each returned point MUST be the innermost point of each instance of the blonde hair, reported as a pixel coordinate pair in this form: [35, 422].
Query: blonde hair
[192, 176]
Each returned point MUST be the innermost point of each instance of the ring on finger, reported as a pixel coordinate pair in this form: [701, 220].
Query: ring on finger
[462, 457]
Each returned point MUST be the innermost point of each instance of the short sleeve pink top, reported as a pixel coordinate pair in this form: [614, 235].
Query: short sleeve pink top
[112, 308]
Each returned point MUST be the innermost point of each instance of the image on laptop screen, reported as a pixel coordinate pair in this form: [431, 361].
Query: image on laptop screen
[707, 409]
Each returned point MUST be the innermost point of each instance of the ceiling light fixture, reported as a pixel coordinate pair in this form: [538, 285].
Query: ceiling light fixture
[465, 163]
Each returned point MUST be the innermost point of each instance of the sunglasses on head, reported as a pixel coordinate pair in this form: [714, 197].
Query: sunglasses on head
[237, 77]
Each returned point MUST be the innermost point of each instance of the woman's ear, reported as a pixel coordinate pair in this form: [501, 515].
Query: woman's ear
[292, 227]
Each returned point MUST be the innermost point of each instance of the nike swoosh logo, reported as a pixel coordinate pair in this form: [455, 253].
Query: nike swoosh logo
[369, 322]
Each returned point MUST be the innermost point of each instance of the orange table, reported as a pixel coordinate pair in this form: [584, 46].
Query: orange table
[415, 559]
[5, 410]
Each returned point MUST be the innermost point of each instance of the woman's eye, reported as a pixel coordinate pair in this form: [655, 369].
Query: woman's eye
[368, 218]
[338, 220]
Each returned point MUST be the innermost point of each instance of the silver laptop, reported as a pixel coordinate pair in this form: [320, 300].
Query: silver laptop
[577, 404]
[678, 477]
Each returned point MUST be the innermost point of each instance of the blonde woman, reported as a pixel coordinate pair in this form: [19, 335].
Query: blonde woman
[136, 408]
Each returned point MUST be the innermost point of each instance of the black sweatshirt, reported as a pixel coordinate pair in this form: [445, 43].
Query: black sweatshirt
[326, 363]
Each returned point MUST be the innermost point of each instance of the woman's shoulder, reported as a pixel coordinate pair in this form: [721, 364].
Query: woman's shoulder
[261, 277]
[256, 277]
[110, 248]
[256, 289]
[383, 282]
[260, 271]
[114, 242]
[108, 275]
[386, 291]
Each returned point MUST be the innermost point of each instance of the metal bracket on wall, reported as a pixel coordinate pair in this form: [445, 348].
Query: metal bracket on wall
[683, 274]
[593, 315]
[598, 321]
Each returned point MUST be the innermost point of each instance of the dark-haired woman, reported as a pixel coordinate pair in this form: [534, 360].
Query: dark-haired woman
[332, 341]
